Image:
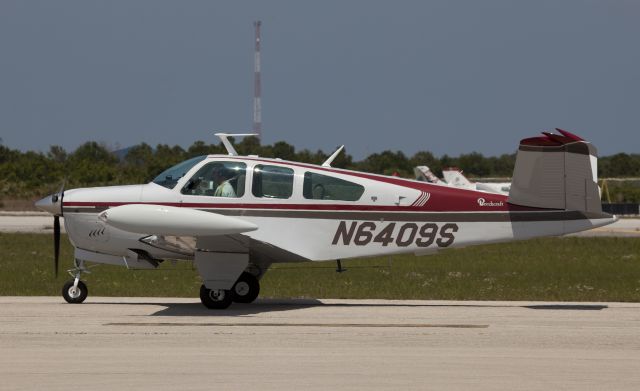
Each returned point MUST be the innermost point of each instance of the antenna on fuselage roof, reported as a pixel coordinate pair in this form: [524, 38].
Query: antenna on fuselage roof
[227, 144]
[327, 163]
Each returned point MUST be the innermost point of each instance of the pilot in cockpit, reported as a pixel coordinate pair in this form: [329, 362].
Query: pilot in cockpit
[222, 176]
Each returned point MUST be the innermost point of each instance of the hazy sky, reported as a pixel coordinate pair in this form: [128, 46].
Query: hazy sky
[447, 76]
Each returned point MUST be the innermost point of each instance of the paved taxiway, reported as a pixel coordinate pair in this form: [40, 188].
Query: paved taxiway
[163, 344]
[621, 228]
[27, 222]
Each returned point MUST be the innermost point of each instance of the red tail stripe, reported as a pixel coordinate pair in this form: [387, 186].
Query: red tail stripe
[570, 135]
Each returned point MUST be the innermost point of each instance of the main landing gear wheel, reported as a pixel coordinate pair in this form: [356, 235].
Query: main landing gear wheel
[246, 289]
[74, 294]
[215, 299]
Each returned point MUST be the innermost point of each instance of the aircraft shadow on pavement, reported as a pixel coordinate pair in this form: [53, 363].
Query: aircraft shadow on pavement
[277, 305]
[264, 306]
[197, 309]
[579, 307]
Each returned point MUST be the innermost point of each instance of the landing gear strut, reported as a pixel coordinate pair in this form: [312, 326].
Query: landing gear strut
[75, 291]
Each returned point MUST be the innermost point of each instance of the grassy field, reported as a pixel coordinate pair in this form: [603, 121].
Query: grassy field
[568, 269]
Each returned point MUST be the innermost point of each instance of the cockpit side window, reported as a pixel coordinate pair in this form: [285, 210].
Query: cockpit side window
[272, 181]
[325, 187]
[218, 179]
[169, 178]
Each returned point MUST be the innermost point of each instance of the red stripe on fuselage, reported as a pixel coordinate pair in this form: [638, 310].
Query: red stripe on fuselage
[441, 198]
[314, 207]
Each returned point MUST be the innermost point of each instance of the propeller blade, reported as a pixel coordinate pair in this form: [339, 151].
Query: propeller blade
[59, 196]
[56, 243]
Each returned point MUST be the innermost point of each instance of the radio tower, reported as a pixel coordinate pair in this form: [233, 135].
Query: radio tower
[257, 107]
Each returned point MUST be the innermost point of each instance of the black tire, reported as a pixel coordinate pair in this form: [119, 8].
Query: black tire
[246, 289]
[221, 302]
[74, 297]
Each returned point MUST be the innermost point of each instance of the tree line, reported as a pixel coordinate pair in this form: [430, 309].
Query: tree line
[30, 174]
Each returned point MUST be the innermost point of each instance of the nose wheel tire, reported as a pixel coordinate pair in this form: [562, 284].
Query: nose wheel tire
[215, 299]
[246, 289]
[74, 295]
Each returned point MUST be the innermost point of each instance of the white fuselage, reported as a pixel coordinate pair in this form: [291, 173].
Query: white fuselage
[391, 216]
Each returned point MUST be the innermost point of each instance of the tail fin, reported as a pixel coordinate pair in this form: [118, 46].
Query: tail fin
[558, 172]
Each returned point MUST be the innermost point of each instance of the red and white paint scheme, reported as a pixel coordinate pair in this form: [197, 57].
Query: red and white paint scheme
[234, 216]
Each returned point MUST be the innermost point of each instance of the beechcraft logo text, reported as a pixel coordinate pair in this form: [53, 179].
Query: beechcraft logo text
[483, 202]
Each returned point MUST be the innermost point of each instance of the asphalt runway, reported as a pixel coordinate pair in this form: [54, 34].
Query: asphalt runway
[168, 344]
[37, 222]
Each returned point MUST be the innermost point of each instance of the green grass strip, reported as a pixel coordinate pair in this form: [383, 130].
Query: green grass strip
[565, 269]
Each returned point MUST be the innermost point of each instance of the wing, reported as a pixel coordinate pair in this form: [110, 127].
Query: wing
[186, 231]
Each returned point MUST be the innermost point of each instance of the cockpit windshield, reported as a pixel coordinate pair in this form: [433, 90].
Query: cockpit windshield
[169, 178]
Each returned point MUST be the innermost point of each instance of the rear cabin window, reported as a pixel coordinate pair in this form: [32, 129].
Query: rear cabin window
[218, 179]
[325, 187]
[272, 181]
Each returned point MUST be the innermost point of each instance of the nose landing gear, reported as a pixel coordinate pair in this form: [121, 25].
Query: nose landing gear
[75, 291]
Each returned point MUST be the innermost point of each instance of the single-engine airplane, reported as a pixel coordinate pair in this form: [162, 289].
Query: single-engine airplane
[424, 174]
[454, 177]
[233, 216]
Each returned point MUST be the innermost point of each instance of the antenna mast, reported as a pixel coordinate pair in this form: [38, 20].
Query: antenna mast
[257, 107]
